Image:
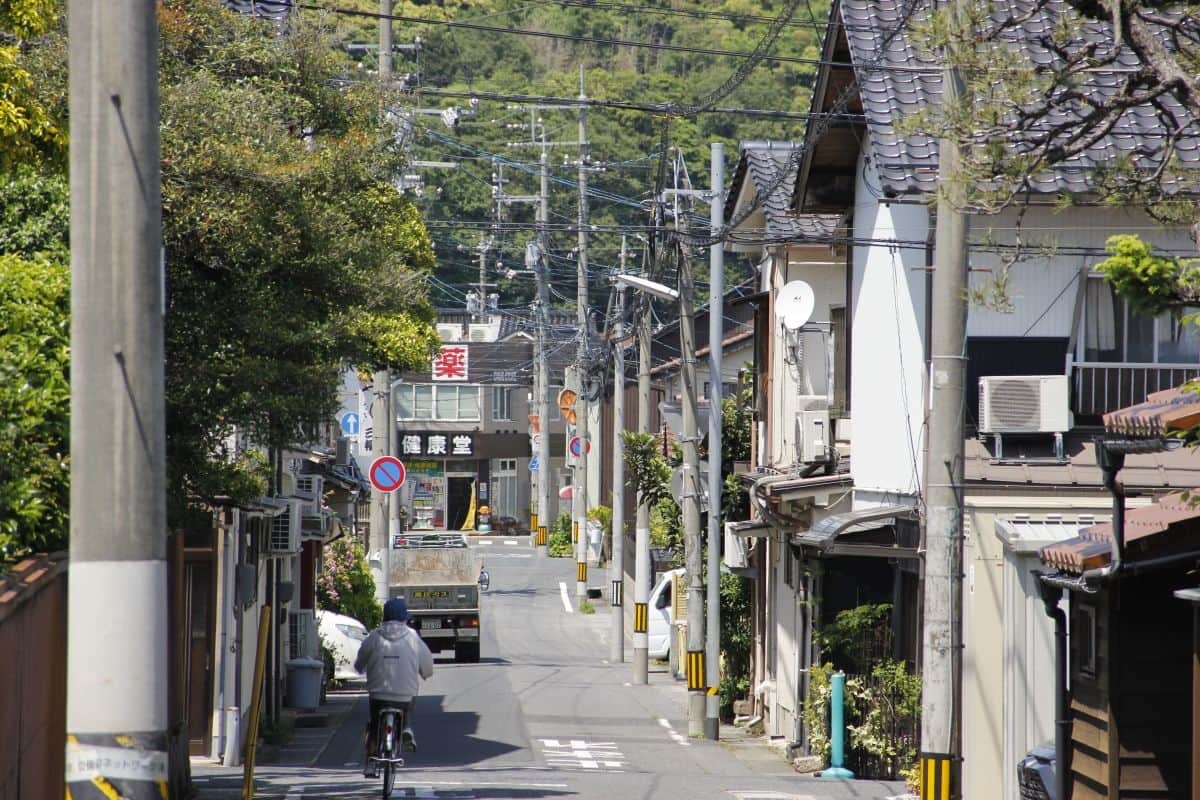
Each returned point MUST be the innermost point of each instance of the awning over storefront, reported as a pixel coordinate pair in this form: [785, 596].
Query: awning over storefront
[836, 534]
[1170, 410]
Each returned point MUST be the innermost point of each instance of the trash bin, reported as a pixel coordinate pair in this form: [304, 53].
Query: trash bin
[303, 683]
[595, 539]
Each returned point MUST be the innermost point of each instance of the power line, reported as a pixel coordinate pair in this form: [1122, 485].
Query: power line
[578, 39]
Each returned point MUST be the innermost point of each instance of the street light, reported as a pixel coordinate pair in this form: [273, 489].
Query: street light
[648, 286]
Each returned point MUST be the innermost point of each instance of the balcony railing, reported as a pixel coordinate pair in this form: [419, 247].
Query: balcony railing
[1101, 387]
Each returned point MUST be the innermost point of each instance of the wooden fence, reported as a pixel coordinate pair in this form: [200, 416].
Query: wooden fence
[33, 686]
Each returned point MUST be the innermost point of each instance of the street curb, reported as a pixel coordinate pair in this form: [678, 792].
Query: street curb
[335, 724]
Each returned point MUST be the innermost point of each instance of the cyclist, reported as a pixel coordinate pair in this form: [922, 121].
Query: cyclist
[394, 659]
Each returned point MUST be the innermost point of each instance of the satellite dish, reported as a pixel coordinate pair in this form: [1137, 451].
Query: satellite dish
[794, 304]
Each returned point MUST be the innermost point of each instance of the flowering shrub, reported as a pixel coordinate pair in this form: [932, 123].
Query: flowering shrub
[345, 585]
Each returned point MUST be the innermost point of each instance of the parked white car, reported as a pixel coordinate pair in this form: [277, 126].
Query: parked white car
[659, 632]
[342, 635]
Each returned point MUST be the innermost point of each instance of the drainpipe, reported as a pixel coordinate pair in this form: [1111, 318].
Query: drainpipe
[1110, 462]
[1051, 595]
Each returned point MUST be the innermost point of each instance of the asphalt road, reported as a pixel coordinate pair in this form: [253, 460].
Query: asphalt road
[543, 715]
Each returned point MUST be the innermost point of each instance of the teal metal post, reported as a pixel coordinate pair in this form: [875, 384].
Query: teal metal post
[837, 729]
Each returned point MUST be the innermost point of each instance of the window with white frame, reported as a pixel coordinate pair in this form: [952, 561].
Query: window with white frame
[501, 403]
[423, 401]
[504, 487]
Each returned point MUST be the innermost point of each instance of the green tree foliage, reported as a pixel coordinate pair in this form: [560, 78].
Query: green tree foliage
[34, 405]
[345, 585]
[30, 132]
[289, 253]
[1151, 282]
[34, 366]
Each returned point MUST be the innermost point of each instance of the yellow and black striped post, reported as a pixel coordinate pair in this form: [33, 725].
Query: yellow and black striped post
[695, 670]
[541, 540]
[575, 534]
[581, 571]
[641, 617]
[533, 521]
[938, 776]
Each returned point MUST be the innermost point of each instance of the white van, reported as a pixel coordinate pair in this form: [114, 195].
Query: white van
[659, 632]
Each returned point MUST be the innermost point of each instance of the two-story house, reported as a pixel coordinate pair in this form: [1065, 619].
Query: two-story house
[1031, 474]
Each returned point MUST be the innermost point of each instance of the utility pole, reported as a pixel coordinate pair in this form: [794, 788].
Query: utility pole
[579, 491]
[941, 706]
[385, 39]
[617, 645]
[117, 661]
[716, 333]
[690, 496]
[381, 395]
[543, 371]
[641, 565]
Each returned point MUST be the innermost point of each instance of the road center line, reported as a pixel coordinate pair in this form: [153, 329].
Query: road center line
[562, 590]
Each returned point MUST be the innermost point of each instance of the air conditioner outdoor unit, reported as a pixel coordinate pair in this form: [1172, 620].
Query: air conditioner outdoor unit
[1024, 404]
[285, 530]
[736, 554]
[302, 634]
[813, 434]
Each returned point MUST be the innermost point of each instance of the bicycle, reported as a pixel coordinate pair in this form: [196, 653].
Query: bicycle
[390, 724]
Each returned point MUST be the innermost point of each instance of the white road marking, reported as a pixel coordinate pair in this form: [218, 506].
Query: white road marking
[510, 555]
[583, 755]
[510, 541]
[562, 588]
[676, 737]
[481, 541]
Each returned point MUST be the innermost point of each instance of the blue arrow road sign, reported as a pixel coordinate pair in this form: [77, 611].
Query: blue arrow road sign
[350, 423]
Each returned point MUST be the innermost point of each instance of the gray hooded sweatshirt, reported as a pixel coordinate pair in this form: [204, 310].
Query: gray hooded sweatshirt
[394, 659]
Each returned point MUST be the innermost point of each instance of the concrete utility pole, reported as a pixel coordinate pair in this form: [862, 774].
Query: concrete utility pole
[579, 493]
[545, 518]
[385, 39]
[117, 664]
[690, 496]
[641, 567]
[941, 707]
[617, 645]
[381, 422]
[716, 333]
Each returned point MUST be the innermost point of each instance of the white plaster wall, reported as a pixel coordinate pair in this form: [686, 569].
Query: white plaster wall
[808, 375]
[1043, 286]
[887, 354]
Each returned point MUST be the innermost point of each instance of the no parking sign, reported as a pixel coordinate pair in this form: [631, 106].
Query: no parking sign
[386, 473]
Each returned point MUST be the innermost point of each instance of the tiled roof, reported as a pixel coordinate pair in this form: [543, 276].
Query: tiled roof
[772, 167]
[1092, 548]
[1175, 409]
[907, 79]
[1172, 469]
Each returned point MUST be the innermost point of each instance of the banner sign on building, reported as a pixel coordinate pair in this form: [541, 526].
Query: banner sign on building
[437, 444]
[450, 363]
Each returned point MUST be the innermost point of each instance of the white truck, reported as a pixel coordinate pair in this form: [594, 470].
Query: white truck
[439, 578]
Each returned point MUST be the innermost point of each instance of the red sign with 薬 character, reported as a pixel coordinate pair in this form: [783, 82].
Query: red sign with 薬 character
[450, 364]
